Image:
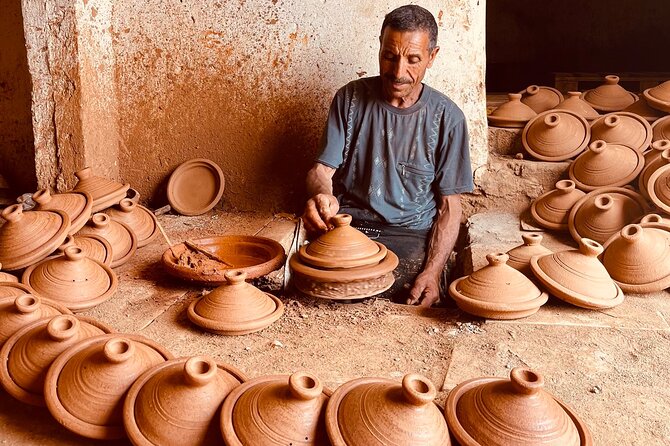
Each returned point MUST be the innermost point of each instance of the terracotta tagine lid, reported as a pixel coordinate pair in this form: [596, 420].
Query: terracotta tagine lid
[104, 192]
[28, 353]
[556, 135]
[659, 96]
[177, 402]
[86, 385]
[497, 291]
[519, 256]
[21, 310]
[643, 109]
[551, 209]
[638, 259]
[380, 412]
[93, 246]
[623, 128]
[6, 277]
[605, 211]
[661, 129]
[500, 412]
[72, 279]
[133, 195]
[658, 188]
[576, 104]
[655, 158]
[655, 221]
[540, 98]
[28, 237]
[138, 218]
[512, 114]
[77, 206]
[122, 239]
[577, 276]
[606, 164]
[610, 96]
[195, 187]
[276, 410]
[14, 289]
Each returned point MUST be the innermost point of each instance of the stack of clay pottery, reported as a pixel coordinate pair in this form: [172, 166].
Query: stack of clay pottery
[519, 256]
[610, 96]
[235, 308]
[497, 291]
[577, 276]
[21, 310]
[6, 277]
[491, 411]
[552, 209]
[623, 128]
[576, 104]
[661, 129]
[642, 108]
[104, 192]
[138, 218]
[276, 411]
[606, 164]
[86, 385]
[28, 353]
[512, 114]
[92, 245]
[177, 402]
[659, 96]
[655, 158]
[556, 135]
[343, 264]
[541, 99]
[122, 239]
[77, 205]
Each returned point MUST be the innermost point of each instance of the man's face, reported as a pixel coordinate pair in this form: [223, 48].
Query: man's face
[404, 57]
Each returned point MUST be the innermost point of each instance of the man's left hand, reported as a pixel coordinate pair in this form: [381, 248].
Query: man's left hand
[426, 289]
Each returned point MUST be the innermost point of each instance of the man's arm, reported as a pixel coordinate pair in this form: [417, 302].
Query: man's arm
[322, 204]
[426, 288]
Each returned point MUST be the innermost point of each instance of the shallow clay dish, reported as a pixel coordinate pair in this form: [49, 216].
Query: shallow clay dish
[21, 310]
[551, 209]
[6, 277]
[519, 256]
[610, 96]
[104, 192]
[659, 96]
[138, 218]
[661, 129]
[195, 187]
[541, 98]
[77, 206]
[576, 104]
[606, 164]
[119, 235]
[556, 135]
[512, 114]
[624, 128]
[642, 108]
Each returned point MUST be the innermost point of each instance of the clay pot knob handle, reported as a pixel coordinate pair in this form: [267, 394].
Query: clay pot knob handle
[341, 220]
[574, 94]
[418, 390]
[100, 220]
[305, 386]
[652, 218]
[598, 146]
[552, 120]
[526, 381]
[496, 259]
[235, 277]
[565, 186]
[631, 233]
[612, 121]
[27, 303]
[611, 79]
[69, 241]
[531, 239]
[74, 253]
[13, 213]
[666, 155]
[199, 370]
[603, 202]
[42, 196]
[118, 350]
[513, 97]
[661, 144]
[127, 205]
[533, 89]
[590, 247]
[83, 173]
[62, 327]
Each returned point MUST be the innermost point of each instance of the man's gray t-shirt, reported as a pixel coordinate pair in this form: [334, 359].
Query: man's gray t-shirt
[391, 162]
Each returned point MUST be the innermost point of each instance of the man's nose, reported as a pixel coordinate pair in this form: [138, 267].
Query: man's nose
[399, 68]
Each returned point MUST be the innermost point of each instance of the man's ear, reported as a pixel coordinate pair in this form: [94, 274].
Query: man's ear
[432, 56]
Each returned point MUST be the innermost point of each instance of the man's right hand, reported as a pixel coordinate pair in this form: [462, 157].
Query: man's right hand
[318, 211]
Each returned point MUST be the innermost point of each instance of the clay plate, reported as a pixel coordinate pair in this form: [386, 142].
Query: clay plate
[195, 187]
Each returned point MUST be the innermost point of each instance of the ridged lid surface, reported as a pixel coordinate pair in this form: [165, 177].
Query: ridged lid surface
[605, 164]
[138, 218]
[551, 209]
[512, 114]
[623, 128]
[556, 135]
[610, 96]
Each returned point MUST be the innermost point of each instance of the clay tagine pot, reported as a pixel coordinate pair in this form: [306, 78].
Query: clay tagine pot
[497, 291]
[512, 114]
[655, 221]
[21, 310]
[655, 158]
[6, 277]
[236, 308]
[578, 277]
[276, 410]
[658, 188]
[661, 129]
[623, 128]
[14, 289]
[28, 353]
[659, 96]
[138, 218]
[501, 412]
[105, 193]
[122, 239]
[556, 135]
[610, 96]
[519, 256]
[77, 206]
[606, 164]
[86, 385]
[540, 98]
[575, 103]
[177, 402]
[551, 209]
[638, 259]
[28, 237]
[93, 246]
[72, 279]
[379, 412]
[642, 108]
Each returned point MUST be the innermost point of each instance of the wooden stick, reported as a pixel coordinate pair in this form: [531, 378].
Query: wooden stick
[201, 250]
[160, 228]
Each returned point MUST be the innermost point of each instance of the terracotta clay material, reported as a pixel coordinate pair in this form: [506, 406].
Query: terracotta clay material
[540, 98]
[657, 157]
[86, 385]
[605, 164]
[92, 245]
[556, 135]
[658, 188]
[654, 221]
[235, 308]
[72, 279]
[578, 277]
[519, 256]
[195, 187]
[551, 209]
[28, 237]
[576, 104]
[138, 218]
[610, 96]
[77, 206]
[659, 96]
[275, 411]
[21, 310]
[105, 193]
[28, 353]
[6, 277]
[511, 114]
[501, 412]
[380, 412]
[177, 402]
[133, 195]
[255, 256]
[643, 109]
[119, 235]
[661, 129]
[623, 128]
[14, 289]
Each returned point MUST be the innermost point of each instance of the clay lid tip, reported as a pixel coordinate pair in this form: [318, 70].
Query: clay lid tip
[12, 213]
[341, 220]
[603, 202]
[497, 258]
[200, 370]
[611, 79]
[27, 303]
[532, 239]
[100, 220]
[235, 276]
[62, 327]
[305, 386]
[552, 119]
[590, 247]
[118, 350]
[526, 381]
[612, 121]
[74, 253]
[418, 390]
[631, 233]
[598, 146]
[565, 186]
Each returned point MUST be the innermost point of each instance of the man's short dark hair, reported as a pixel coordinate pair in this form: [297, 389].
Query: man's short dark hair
[412, 18]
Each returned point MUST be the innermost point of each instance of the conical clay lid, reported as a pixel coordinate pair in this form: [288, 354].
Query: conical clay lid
[623, 128]
[275, 411]
[518, 411]
[512, 114]
[6, 277]
[28, 354]
[28, 237]
[638, 259]
[72, 279]
[659, 188]
[659, 96]
[14, 289]
[661, 129]
[138, 218]
[177, 402]
[655, 158]
[21, 310]
[93, 246]
[77, 206]
[519, 256]
[497, 291]
[119, 235]
[556, 135]
[551, 209]
[606, 164]
[578, 277]
[610, 96]
[540, 98]
[575, 103]
[86, 385]
[642, 108]
[235, 308]
[105, 193]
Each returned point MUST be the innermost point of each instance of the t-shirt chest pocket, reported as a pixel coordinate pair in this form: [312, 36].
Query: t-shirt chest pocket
[415, 179]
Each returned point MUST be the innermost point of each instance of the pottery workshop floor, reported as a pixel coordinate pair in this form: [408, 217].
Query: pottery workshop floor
[612, 366]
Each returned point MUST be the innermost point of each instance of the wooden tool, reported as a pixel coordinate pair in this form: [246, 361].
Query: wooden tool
[160, 228]
[201, 250]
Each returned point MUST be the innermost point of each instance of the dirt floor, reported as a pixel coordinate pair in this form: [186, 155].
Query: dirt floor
[611, 366]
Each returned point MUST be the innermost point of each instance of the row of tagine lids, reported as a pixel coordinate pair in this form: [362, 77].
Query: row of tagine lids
[106, 385]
